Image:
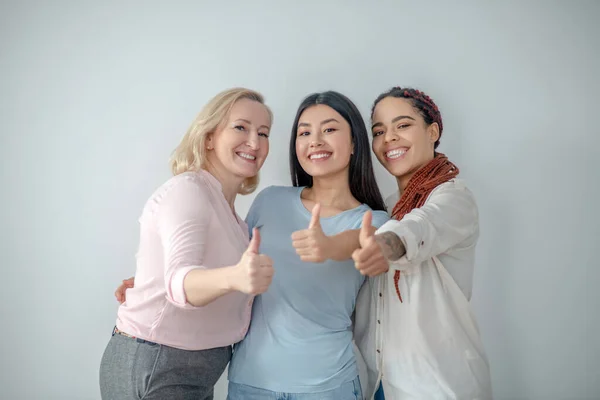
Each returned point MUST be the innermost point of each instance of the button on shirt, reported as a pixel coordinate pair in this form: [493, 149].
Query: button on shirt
[426, 346]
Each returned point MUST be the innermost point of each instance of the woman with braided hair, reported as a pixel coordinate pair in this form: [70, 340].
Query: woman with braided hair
[414, 325]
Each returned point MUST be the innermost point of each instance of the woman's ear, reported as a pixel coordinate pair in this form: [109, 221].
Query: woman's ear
[209, 142]
[434, 132]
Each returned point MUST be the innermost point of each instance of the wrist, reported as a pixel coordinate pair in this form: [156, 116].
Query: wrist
[333, 249]
[230, 278]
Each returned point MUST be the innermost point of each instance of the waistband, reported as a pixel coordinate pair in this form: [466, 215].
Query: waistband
[117, 331]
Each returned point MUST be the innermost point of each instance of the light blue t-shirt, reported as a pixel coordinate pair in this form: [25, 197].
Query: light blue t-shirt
[300, 337]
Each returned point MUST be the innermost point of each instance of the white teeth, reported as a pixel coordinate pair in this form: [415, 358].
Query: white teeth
[246, 156]
[319, 155]
[395, 153]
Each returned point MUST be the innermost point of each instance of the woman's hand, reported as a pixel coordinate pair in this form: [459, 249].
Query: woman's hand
[312, 245]
[370, 259]
[120, 292]
[254, 273]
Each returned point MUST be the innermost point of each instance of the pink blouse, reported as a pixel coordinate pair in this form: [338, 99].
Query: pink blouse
[186, 224]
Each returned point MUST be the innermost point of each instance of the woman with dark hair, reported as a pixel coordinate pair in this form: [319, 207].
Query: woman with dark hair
[414, 325]
[300, 339]
[361, 177]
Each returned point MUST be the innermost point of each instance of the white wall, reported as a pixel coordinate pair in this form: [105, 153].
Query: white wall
[93, 98]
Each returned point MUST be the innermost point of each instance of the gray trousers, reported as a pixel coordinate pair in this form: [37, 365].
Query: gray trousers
[135, 369]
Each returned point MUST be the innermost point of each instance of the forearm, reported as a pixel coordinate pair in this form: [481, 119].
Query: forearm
[449, 219]
[344, 243]
[391, 245]
[203, 286]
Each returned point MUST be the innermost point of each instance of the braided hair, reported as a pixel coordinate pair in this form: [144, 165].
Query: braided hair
[420, 101]
[431, 175]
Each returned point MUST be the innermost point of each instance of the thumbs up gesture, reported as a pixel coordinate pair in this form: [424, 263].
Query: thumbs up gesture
[369, 259]
[312, 245]
[254, 272]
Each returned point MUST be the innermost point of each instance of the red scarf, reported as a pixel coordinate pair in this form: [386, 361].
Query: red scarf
[422, 183]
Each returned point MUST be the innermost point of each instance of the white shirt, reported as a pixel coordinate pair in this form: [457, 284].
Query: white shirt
[427, 346]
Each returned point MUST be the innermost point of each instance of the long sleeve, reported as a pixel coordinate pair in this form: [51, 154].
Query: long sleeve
[183, 219]
[449, 218]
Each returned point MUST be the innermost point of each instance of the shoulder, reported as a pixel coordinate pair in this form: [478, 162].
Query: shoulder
[355, 218]
[280, 190]
[188, 185]
[379, 218]
[269, 199]
[272, 194]
[455, 195]
[455, 187]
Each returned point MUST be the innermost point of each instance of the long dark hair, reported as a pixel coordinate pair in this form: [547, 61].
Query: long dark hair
[361, 176]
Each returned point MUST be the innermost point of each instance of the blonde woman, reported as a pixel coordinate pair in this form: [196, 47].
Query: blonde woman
[196, 271]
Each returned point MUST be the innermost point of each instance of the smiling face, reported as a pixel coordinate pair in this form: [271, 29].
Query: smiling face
[323, 142]
[240, 144]
[402, 141]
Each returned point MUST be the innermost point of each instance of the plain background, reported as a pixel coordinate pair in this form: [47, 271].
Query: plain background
[94, 96]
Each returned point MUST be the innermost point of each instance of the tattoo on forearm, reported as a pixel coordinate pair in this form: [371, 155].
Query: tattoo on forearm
[391, 245]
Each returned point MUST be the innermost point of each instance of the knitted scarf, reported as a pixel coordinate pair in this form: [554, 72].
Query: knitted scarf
[422, 183]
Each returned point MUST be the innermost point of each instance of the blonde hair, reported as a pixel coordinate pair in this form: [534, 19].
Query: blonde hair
[190, 154]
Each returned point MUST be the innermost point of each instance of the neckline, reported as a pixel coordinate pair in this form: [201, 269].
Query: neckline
[213, 181]
[308, 212]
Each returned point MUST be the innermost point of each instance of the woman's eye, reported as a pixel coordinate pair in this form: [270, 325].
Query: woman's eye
[303, 133]
[263, 134]
[329, 130]
[377, 133]
[239, 128]
[402, 126]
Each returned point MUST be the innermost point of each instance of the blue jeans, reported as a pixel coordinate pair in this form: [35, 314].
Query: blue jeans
[350, 390]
